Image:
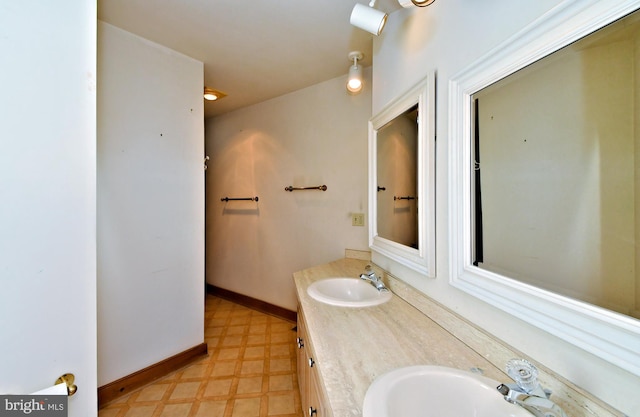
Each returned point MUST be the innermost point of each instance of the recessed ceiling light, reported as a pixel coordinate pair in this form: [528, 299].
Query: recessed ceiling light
[211, 94]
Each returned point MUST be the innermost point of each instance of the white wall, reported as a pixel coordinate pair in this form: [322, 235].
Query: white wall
[310, 137]
[150, 203]
[447, 36]
[48, 189]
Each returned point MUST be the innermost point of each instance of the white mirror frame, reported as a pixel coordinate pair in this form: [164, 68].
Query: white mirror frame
[608, 335]
[423, 258]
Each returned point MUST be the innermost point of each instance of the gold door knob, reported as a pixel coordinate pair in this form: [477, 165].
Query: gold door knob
[69, 380]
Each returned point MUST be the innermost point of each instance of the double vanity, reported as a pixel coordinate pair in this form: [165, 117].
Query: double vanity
[398, 350]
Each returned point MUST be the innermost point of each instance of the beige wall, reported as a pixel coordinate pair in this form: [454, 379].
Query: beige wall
[150, 203]
[636, 130]
[311, 137]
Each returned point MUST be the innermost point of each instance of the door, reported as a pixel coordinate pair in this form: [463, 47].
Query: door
[47, 198]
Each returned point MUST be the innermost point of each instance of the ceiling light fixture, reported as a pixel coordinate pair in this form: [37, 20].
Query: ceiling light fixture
[411, 3]
[368, 18]
[354, 81]
[211, 94]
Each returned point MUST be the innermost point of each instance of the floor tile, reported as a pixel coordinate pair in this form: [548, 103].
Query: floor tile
[281, 383]
[257, 328]
[228, 353]
[254, 352]
[256, 339]
[249, 371]
[237, 330]
[211, 409]
[109, 412]
[280, 350]
[141, 411]
[281, 404]
[153, 392]
[218, 387]
[185, 390]
[232, 340]
[249, 385]
[252, 367]
[225, 368]
[176, 410]
[281, 337]
[246, 407]
[195, 371]
[280, 365]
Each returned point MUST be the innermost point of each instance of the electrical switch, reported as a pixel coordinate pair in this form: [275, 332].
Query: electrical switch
[357, 219]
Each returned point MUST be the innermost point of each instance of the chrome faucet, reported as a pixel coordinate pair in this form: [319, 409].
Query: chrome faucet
[370, 275]
[527, 392]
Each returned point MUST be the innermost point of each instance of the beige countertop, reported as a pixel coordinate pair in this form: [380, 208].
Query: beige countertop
[355, 345]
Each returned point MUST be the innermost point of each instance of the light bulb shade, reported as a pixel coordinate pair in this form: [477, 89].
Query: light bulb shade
[354, 81]
[411, 3]
[368, 18]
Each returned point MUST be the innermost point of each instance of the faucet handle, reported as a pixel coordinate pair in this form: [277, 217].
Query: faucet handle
[524, 373]
[368, 270]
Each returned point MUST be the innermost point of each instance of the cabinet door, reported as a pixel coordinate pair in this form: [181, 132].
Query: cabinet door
[316, 406]
[311, 392]
[301, 362]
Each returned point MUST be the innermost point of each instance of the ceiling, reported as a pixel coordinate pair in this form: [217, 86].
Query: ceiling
[252, 50]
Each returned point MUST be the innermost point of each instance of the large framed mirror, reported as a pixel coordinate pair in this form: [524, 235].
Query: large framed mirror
[401, 179]
[544, 175]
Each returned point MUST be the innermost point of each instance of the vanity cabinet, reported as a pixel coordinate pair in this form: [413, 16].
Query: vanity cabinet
[312, 395]
[352, 347]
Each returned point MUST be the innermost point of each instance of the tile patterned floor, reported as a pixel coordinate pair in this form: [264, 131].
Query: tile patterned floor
[250, 371]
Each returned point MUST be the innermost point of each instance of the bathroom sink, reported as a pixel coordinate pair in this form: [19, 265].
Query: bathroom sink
[434, 391]
[347, 292]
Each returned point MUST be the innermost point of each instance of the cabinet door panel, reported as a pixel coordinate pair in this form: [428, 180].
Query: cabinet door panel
[311, 393]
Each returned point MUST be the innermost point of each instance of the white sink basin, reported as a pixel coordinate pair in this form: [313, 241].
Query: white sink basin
[433, 391]
[347, 292]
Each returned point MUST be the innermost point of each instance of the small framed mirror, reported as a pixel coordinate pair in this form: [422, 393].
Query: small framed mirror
[401, 179]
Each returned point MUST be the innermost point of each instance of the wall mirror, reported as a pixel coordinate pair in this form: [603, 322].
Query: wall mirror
[544, 168]
[397, 176]
[401, 179]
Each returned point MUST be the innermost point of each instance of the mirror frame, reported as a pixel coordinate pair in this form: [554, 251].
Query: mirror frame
[608, 335]
[423, 258]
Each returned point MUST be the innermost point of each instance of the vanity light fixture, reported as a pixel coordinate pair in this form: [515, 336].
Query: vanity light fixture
[367, 18]
[211, 94]
[354, 81]
[411, 3]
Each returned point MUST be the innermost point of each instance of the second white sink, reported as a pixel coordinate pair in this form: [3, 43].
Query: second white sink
[347, 292]
[434, 391]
